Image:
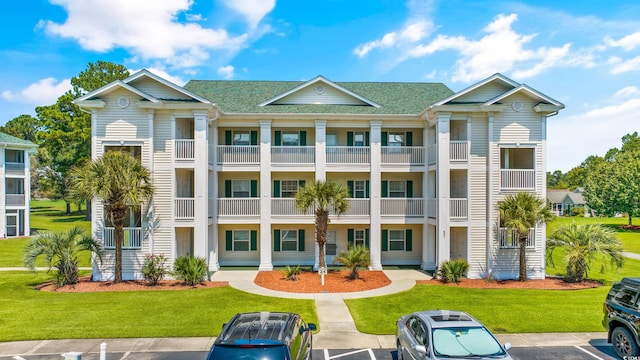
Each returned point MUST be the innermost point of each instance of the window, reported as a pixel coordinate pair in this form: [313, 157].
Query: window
[396, 240]
[359, 238]
[359, 139]
[289, 188]
[289, 240]
[241, 138]
[517, 158]
[360, 189]
[135, 151]
[396, 139]
[290, 138]
[397, 189]
[240, 188]
[241, 240]
[14, 156]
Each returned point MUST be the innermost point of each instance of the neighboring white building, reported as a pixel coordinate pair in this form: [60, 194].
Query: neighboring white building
[425, 167]
[15, 185]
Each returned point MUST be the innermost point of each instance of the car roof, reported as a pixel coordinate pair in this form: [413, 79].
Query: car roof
[263, 327]
[448, 318]
[631, 281]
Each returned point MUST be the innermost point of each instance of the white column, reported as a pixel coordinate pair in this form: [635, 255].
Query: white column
[375, 191]
[95, 232]
[3, 199]
[425, 196]
[201, 182]
[443, 238]
[321, 150]
[265, 196]
[490, 185]
[542, 237]
[213, 243]
[151, 210]
[27, 193]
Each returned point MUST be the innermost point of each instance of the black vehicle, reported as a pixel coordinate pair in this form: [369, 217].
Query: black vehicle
[264, 336]
[622, 317]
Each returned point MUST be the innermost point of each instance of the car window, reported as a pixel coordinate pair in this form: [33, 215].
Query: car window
[418, 330]
[222, 352]
[465, 342]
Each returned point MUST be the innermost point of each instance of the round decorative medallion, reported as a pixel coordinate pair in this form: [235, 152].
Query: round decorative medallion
[319, 89]
[517, 105]
[123, 102]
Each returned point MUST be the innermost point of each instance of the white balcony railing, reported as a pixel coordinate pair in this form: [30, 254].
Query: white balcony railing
[520, 179]
[508, 238]
[14, 199]
[410, 155]
[402, 206]
[432, 211]
[293, 154]
[184, 208]
[432, 154]
[238, 206]
[233, 154]
[184, 149]
[14, 168]
[287, 206]
[458, 208]
[348, 155]
[358, 207]
[458, 150]
[132, 238]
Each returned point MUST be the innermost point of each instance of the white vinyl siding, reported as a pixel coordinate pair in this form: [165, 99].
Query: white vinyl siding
[157, 90]
[309, 95]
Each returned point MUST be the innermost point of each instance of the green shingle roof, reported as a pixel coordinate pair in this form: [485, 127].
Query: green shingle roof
[8, 139]
[393, 97]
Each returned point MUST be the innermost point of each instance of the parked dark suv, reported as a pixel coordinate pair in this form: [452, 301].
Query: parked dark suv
[622, 317]
[264, 336]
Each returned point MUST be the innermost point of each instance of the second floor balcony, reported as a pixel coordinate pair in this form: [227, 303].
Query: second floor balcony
[402, 207]
[132, 238]
[14, 168]
[15, 199]
[517, 179]
[402, 155]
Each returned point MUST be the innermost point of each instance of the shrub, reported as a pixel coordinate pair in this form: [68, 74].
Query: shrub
[354, 259]
[153, 268]
[453, 270]
[291, 273]
[192, 270]
[578, 211]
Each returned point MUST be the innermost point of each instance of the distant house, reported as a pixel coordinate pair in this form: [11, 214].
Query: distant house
[15, 183]
[562, 202]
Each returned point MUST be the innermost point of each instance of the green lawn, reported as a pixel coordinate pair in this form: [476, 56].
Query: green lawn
[27, 314]
[629, 238]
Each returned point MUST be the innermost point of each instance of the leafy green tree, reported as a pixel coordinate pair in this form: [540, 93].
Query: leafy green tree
[521, 212]
[584, 244]
[120, 181]
[23, 127]
[323, 197]
[61, 251]
[97, 75]
[556, 180]
[355, 258]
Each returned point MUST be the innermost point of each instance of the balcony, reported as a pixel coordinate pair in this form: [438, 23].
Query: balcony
[458, 150]
[242, 155]
[14, 168]
[14, 200]
[348, 155]
[132, 238]
[287, 206]
[402, 206]
[458, 208]
[508, 239]
[403, 155]
[184, 208]
[184, 149]
[358, 207]
[293, 154]
[238, 207]
[518, 179]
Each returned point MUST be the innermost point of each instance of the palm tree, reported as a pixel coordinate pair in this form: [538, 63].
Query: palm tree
[583, 244]
[323, 197]
[61, 251]
[355, 258]
[120, 181]
[521, 212]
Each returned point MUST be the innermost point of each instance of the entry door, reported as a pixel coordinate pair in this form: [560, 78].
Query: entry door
[330, 247]
[12, 224]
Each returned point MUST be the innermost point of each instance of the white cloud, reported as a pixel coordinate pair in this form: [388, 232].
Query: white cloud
[148, 32]
[252, 10]
[227, 71]
[623, 66]
[411, 33]
[627, 92]
[44, 92]
[627, 43]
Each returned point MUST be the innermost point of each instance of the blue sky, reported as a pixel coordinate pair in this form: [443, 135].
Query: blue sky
[585, 54]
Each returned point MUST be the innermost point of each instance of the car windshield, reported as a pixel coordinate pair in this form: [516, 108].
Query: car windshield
[465, 342]
[225, 352]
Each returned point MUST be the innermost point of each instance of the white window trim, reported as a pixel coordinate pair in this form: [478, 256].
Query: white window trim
[403, 240]
[282, 239]
[234, 240]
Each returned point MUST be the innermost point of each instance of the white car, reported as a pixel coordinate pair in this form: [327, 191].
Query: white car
[446, 334]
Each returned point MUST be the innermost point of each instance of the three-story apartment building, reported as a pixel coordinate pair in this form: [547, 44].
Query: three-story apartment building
[15, 182]
[425, 168]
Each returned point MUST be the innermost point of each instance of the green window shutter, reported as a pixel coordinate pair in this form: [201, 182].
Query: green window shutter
[385, 188]
[254, 240]
[385, 240]
[277, 139]
[254, 137]
[351, 189]
[349, 138]
[227, 138]
[385, 138]
[409, 188]
[408, 241]
[254, 188]
[366, 237]
[276, 240]
[303, 138]
[300, 184]
[350, 237]
[301, 240]
[367, 142]
[366, 189]
[229, 242]
[276, 188]
[408, 141]
[227, 188]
